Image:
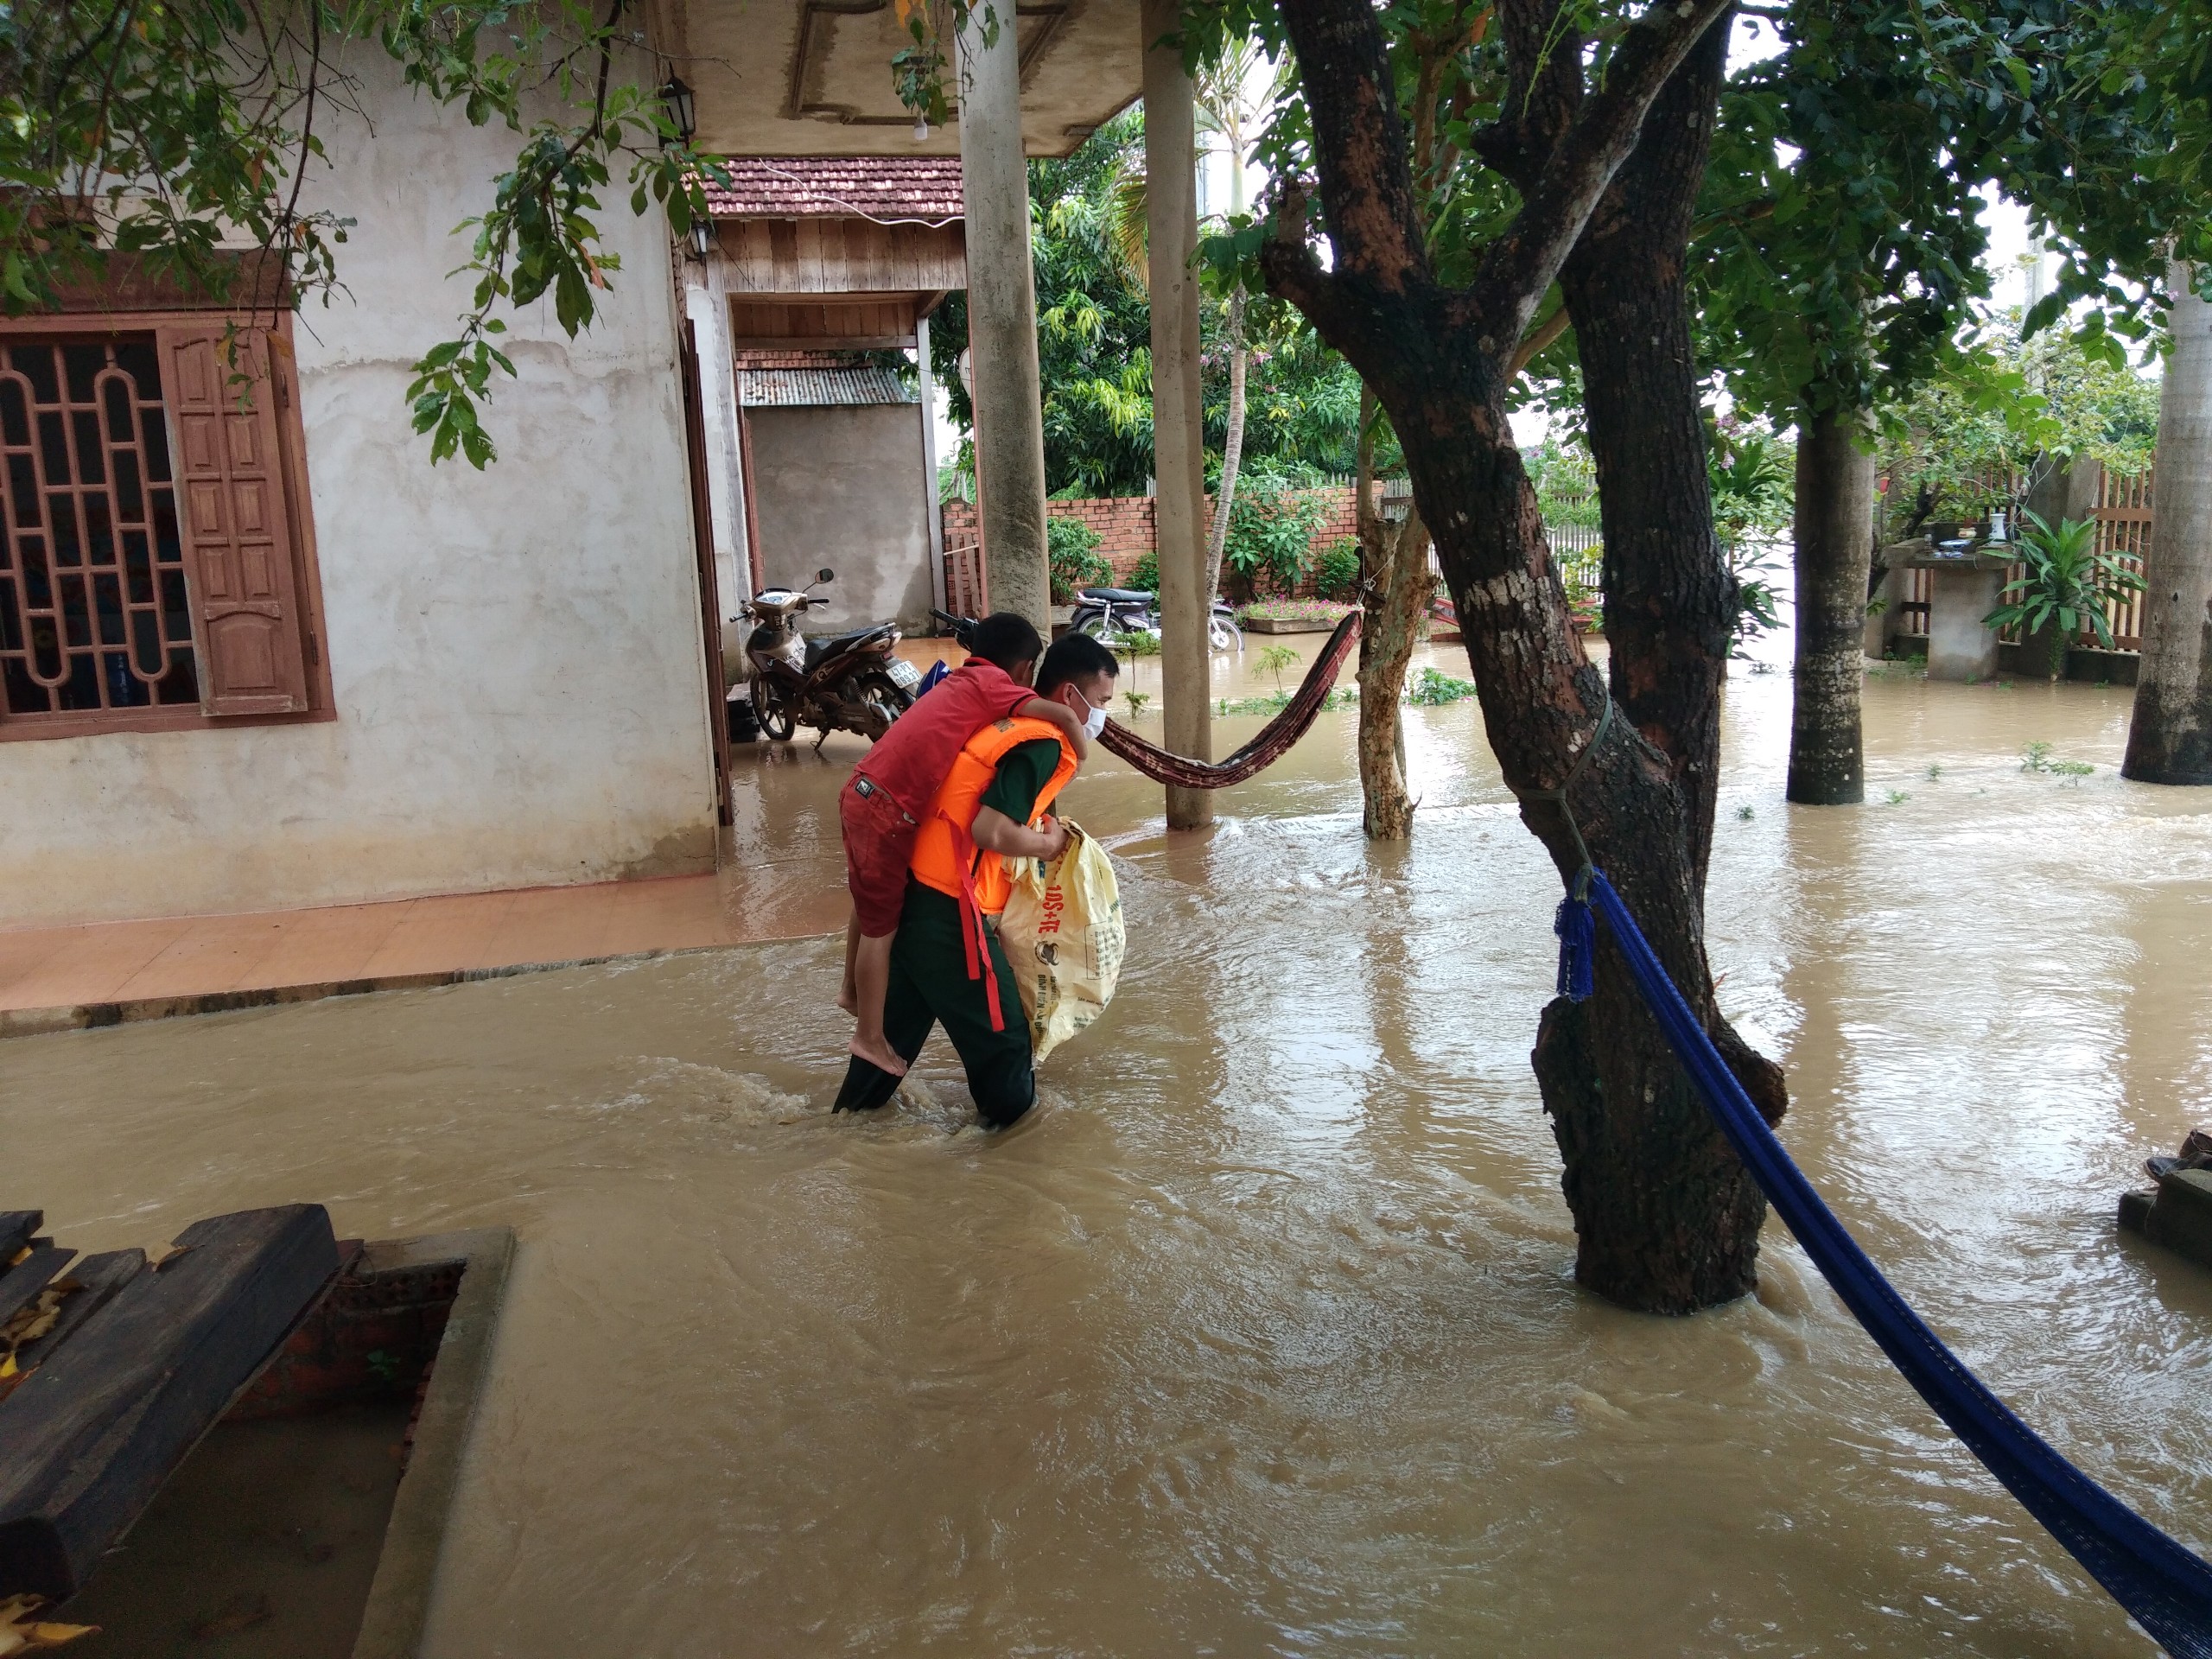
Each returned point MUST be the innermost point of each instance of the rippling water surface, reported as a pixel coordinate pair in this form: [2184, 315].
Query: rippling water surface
[1260, 1336]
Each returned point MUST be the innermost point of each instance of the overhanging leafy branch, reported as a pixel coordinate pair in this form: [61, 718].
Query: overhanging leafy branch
[178, 134]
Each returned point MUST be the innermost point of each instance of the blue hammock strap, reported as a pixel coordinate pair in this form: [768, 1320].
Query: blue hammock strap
[1578, 941]
[2166, 1586]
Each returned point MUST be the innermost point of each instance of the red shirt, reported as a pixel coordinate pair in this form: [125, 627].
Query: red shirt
[912, 760]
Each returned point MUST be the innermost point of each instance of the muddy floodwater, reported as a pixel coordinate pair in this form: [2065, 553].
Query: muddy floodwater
[1261, 1336]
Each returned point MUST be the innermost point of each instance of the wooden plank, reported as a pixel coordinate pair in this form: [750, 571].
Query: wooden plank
[783, 254]
[20, 1284]
[17, 1227]
[89, 1438]
[868, 261]
[98, 1278]
[809, 268]
[835, 245]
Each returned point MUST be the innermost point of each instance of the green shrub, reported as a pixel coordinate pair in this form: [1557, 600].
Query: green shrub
[1337, 577]
[1075, 559]
[1271, 532]
[1273, 660]
[1146, 577]
[1433, 691]
[2067, 581]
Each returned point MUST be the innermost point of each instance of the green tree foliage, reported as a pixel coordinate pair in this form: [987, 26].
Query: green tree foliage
[1842, 242]
[1751, 478]
[1336, 574]
[1988, 418]
[156, 131]
[1270, 542]
[1094, 333]
[1567, 483]
[1841, 224]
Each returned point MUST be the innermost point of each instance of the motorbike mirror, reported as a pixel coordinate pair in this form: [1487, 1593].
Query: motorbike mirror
[825, 573]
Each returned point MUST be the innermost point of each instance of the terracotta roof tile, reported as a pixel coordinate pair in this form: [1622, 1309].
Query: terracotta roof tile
[925, 188]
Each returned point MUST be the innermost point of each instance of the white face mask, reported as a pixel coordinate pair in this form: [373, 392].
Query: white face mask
[1093, 723]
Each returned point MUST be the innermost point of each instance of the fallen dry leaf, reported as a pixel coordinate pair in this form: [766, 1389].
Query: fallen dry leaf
[33, 1321]
[21, 1633]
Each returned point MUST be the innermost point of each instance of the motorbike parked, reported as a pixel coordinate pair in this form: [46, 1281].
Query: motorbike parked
[1103, 612]
[835, 683]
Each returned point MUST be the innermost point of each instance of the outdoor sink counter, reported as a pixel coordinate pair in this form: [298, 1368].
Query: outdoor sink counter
[1966, 587]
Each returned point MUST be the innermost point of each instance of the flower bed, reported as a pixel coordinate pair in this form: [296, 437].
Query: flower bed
[1291, 615]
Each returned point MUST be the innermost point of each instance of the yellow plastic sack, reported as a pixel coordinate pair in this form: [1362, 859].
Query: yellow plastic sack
[1062, 936]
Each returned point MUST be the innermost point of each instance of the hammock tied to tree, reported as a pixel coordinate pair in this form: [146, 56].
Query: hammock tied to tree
[1269, 747]
[2166, 1586]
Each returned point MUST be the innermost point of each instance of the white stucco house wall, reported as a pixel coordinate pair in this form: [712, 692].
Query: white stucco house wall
[256, 653]
[498, 677]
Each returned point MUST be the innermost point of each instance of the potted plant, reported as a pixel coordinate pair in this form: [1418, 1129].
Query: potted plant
[2066, 588]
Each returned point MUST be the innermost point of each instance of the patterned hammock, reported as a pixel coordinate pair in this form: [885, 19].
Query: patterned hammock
[1273, 739]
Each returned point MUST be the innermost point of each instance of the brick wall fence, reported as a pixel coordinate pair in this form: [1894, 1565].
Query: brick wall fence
[1125, 531]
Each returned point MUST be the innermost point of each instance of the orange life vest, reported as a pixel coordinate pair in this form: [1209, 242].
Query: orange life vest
[944, 848]
[946, 854]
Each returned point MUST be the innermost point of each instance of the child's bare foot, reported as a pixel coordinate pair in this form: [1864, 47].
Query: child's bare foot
[848, 999]
[879, 1055]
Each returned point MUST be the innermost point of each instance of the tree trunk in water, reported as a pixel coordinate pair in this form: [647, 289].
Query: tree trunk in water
[1670, 609]
[1388, 623]
[1232, 448]
[1670, 602]
[1667, 1218]
[1681, 1231]
[1836, 552]
[2170, 740]
[1392, 600]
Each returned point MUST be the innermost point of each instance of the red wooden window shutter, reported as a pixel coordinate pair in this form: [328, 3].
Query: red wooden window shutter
[238, 543]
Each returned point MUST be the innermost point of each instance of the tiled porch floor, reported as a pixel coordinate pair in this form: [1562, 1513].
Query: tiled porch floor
[103, 962]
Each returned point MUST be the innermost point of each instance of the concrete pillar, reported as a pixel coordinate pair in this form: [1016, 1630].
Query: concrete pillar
[928, 387]
[1002, 323]
[2067, 487]
[706, 305]
[1177, 410]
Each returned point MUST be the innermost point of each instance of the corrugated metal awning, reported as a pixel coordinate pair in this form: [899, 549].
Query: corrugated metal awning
[811, 388]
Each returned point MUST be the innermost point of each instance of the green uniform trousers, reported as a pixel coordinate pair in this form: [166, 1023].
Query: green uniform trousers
[928, 987]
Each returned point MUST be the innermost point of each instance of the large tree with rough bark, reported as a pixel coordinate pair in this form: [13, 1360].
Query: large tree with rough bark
[1666, 1217]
